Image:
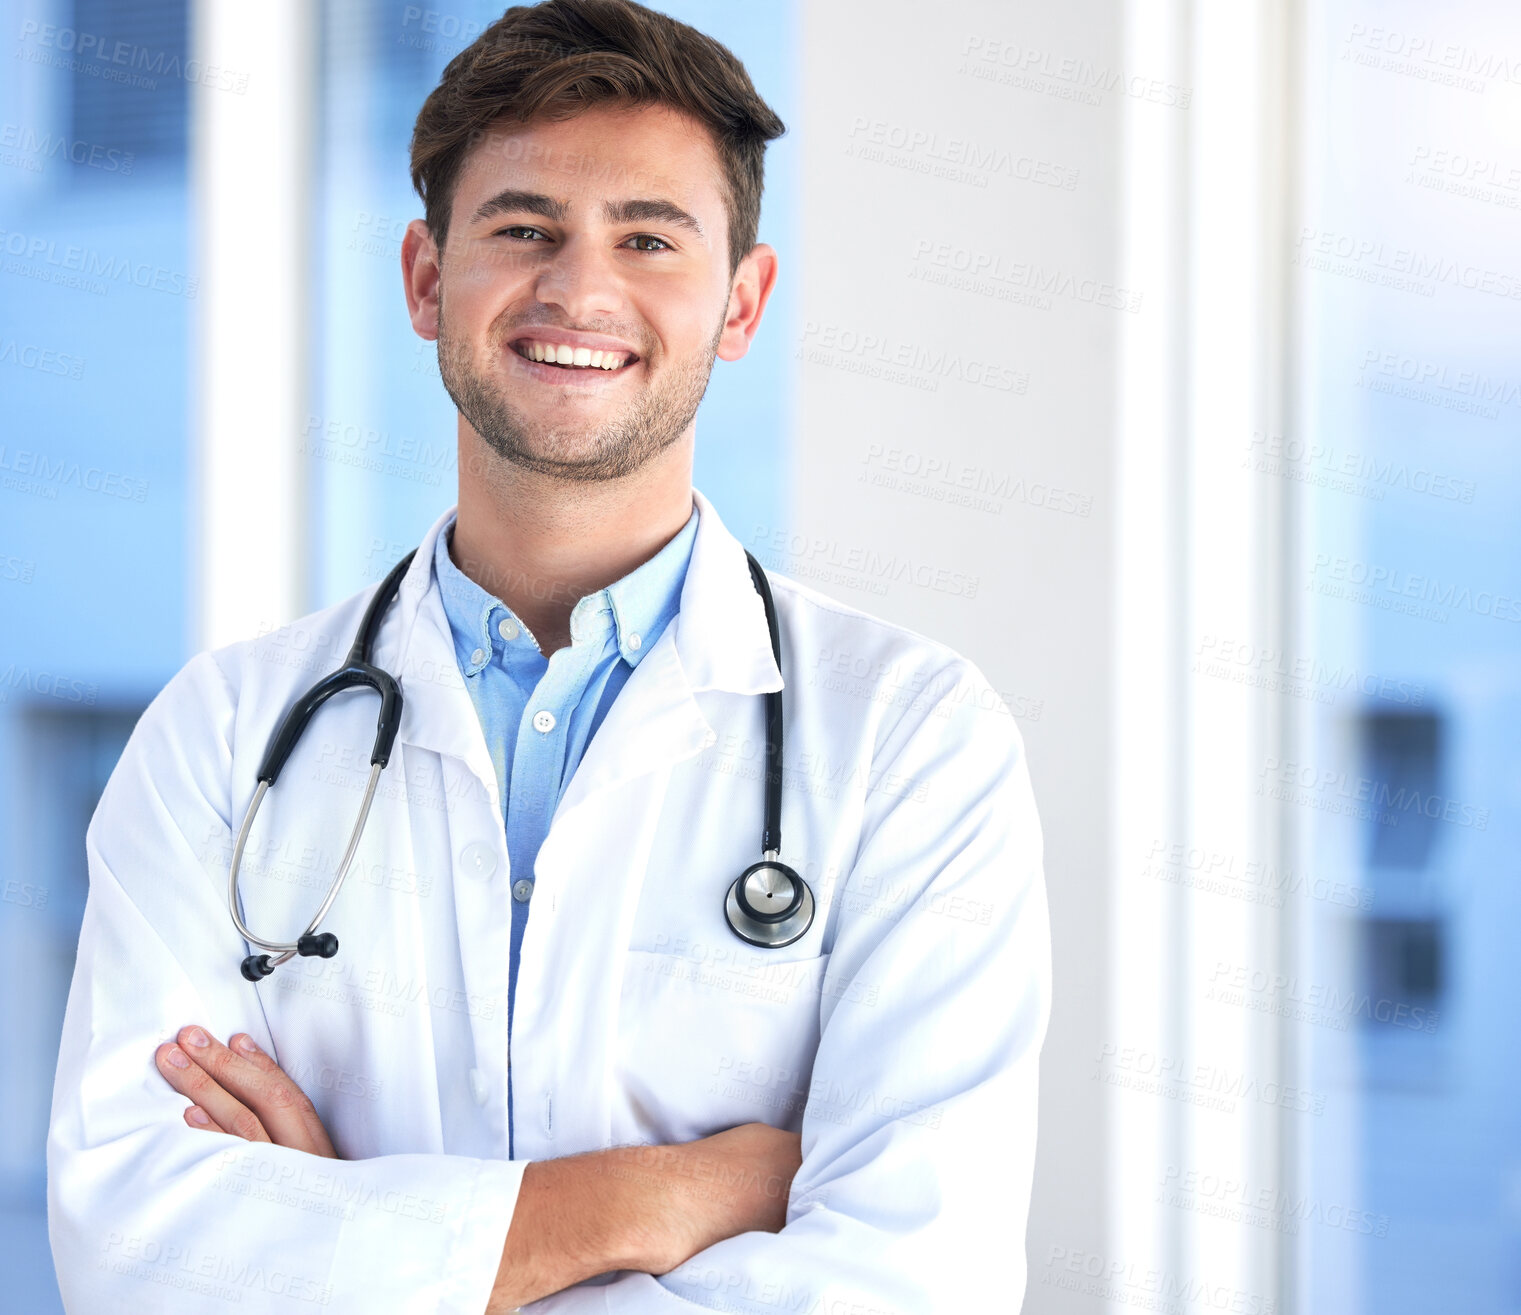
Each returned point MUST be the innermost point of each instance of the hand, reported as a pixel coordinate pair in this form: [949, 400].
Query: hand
[246, 1094]
[642, 1208]
[736, 1181]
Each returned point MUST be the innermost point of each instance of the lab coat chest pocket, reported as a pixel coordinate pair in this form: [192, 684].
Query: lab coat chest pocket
[714, 1037]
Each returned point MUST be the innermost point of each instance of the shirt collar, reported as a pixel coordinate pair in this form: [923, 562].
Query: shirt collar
[636, 607]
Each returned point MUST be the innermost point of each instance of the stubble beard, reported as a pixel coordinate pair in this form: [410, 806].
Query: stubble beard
[656, 417]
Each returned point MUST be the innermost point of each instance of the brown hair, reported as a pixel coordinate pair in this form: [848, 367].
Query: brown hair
[558, 58]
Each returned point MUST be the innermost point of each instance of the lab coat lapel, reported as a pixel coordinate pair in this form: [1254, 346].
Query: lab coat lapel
[718, 640]
[415, 643]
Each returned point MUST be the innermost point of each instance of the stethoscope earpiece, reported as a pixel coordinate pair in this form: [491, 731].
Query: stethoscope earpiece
[257, 967]
[322, 944]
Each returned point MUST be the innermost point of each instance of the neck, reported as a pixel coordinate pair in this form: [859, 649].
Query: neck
[541, 544]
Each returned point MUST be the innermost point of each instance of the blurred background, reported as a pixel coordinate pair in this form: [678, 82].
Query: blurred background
[1181, 337]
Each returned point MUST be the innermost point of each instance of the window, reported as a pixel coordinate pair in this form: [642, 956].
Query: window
[130, 81]
[1402, 753]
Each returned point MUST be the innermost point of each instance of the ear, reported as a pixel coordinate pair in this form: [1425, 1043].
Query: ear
[420, 272]
[753, 282]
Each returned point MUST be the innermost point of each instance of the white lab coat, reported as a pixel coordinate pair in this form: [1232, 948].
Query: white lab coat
[900, 1035]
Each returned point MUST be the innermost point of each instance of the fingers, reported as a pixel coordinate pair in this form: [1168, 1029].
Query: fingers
[198, 1119]
[226, 1112]
[284, 1105]
[246, 1094]
[248, 1085]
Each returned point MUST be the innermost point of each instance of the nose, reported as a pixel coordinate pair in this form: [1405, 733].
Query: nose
[582, 280]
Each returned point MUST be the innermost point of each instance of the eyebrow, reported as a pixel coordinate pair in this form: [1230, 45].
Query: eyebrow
[633, 210]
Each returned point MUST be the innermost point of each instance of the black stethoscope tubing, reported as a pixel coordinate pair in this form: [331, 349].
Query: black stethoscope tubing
[767, 905]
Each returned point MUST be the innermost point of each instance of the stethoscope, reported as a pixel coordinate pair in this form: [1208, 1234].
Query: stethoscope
[768, 904]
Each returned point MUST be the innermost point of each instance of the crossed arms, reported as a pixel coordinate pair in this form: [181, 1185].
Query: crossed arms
[910, 1193]
[642, 1208]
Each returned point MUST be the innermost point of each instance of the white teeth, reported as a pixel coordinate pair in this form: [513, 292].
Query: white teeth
[583, 357]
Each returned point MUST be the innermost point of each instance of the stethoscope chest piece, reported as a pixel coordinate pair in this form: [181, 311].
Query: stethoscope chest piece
[769, 905]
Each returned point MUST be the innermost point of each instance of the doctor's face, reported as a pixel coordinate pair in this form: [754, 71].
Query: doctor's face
[608, 232]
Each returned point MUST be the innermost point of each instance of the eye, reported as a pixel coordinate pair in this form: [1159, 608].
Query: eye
[514, 230]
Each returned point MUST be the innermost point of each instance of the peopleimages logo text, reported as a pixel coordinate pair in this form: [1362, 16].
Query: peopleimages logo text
[1392, 582]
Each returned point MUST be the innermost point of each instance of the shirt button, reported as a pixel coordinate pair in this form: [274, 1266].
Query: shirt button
[478, 859]
[478, 657]
[507, 628]
[544, 721]
[634, 641]
[478, 1087]
[521, 890]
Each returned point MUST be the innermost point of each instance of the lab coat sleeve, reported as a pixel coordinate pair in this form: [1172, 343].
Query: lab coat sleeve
[147, 1214]
[918, 1134]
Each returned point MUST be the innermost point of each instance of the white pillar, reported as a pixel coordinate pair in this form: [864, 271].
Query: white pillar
[251, 142]
[1203, 556]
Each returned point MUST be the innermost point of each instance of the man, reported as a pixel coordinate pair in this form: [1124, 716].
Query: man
[576, 1101]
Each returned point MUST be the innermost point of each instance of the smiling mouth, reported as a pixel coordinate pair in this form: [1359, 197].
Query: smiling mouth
[595, 363]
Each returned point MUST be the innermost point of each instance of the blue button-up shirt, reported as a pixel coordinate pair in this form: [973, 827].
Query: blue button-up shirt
[540, 713]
